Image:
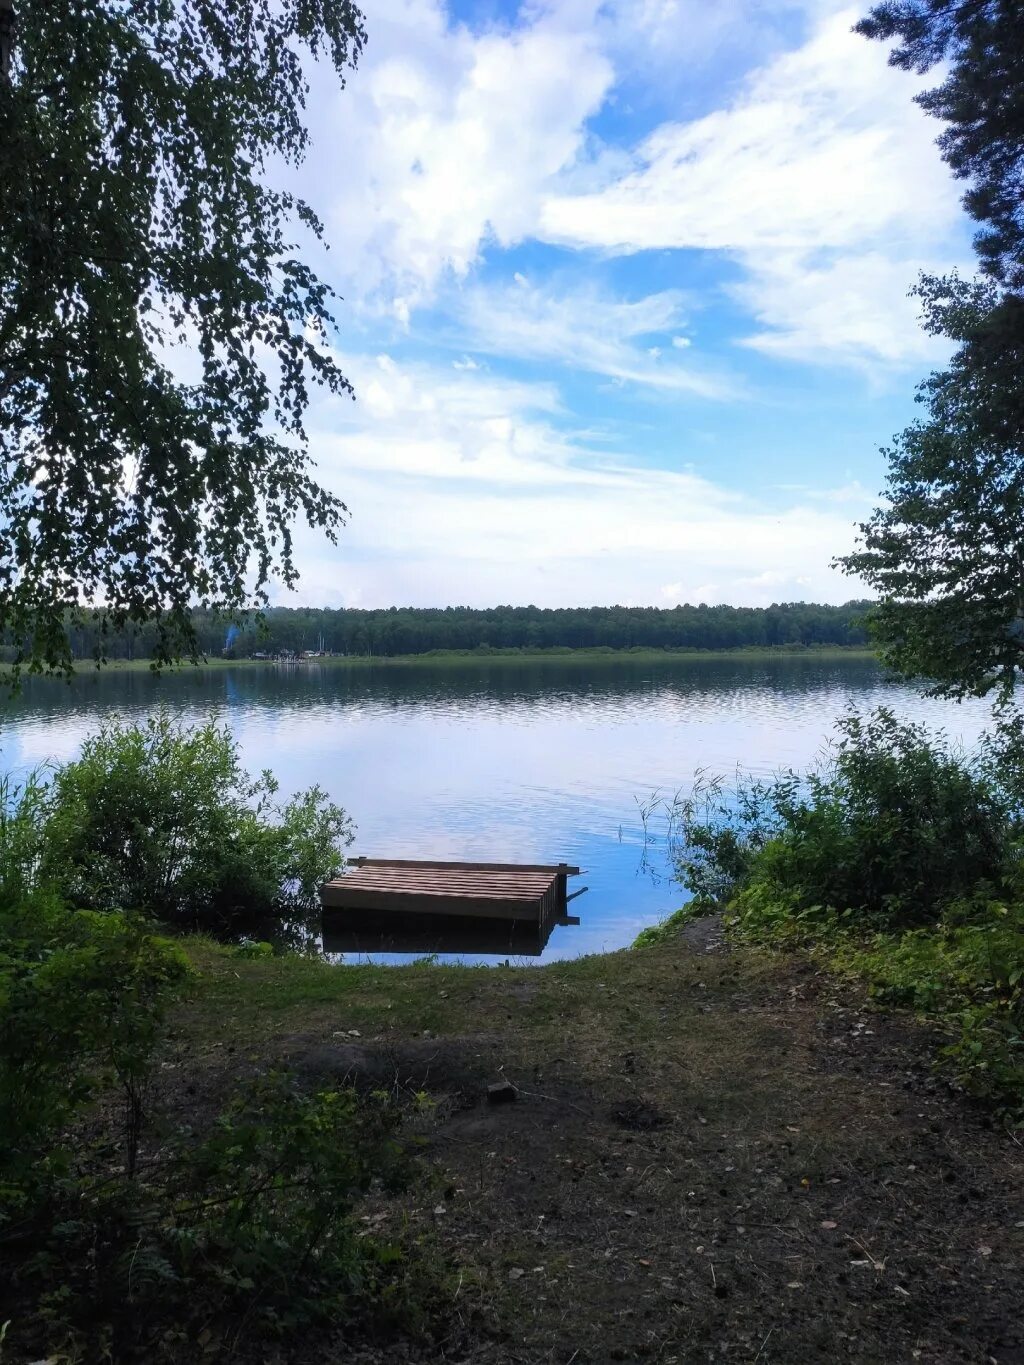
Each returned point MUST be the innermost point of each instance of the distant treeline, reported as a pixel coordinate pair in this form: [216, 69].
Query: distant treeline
[418, 630]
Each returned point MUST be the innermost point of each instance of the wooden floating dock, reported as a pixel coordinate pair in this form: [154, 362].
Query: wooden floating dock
[533, 893]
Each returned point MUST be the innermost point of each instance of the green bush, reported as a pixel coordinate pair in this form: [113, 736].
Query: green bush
[264, 1204]
[123, 1237]
[898, 860]
[82, 1000]
[246, 1231]
[162, 818]
[120, 1237]
[244, 1234]
[894, 824]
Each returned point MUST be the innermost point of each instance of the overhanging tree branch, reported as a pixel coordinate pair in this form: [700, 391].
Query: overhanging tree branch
[137, 222]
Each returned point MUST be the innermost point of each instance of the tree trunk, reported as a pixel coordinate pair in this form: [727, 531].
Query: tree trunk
[6, 39]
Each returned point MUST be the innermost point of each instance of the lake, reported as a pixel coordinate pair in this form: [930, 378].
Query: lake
[503, 760]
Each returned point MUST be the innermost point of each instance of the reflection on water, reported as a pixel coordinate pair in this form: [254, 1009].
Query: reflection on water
[354, 933]
[502, 761]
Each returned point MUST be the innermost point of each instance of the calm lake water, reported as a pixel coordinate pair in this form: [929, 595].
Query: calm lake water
[502, 761]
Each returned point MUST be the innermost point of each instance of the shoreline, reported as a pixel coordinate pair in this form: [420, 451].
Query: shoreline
[458, 658]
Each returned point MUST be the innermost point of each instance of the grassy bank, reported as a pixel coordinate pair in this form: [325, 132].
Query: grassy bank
[720, 1154]
[458, 658]
[709, 1153]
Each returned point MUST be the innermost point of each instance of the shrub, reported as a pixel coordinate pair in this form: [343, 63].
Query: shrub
[898, 860]
[264, 1205]
[161, 817]
[249, 1231]
[894, 824]
[111, 1249]
[82, 999]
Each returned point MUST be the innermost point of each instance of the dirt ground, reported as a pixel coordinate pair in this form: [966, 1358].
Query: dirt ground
[711, 1156]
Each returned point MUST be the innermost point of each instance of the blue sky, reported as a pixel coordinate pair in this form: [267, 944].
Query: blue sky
[625, 299]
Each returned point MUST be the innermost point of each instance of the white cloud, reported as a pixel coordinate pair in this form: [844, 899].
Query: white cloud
[824, 147]
[422, 421]
[818, 184]
[664, 48]
[464, 487]
[446, 139]
[821, 177]
[585, 330]
[854, 308]
[852, 492]
[612, 540]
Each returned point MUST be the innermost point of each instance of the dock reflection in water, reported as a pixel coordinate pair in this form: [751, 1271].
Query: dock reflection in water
[355, 932]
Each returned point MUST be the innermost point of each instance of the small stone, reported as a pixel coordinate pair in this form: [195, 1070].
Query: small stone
[516, 1273]
[354, 1033]
[502, 1092]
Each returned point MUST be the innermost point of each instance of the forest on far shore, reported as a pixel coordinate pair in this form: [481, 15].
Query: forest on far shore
[390, 631]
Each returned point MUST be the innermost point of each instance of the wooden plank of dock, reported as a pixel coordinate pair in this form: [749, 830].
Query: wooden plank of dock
[502, 891]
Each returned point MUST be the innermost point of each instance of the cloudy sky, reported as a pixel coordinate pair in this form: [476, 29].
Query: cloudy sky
[625, 299]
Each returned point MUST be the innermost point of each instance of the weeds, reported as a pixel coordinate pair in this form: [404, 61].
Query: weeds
[123, 1238]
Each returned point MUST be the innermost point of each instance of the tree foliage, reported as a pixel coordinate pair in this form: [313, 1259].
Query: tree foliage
[981, 102]
[388, 631]
[946, 551]
[159, 331]
[83, 997]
